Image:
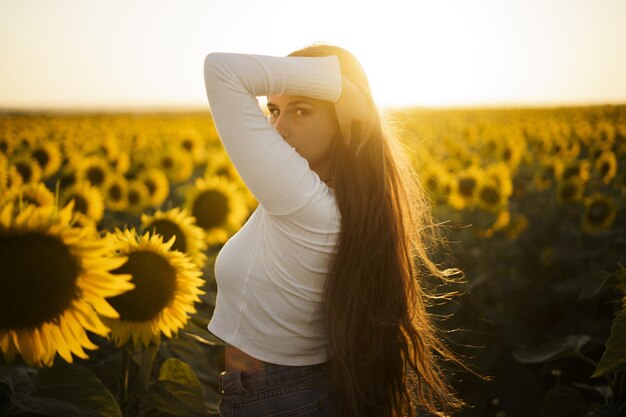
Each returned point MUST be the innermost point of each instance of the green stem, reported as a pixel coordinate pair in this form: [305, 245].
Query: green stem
[124, 380]
[595, 366]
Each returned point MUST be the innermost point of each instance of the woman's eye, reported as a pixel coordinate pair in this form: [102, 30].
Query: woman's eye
[302, 112]
[275, 112]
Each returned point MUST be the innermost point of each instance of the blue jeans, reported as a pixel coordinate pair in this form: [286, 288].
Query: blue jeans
[276, 391]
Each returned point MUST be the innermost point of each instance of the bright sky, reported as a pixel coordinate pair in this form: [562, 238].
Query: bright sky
[150, 53]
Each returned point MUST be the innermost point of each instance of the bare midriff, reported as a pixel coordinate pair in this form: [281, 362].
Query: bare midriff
[237, 360]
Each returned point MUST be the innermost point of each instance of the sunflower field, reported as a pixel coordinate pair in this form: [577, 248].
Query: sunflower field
[110, 224]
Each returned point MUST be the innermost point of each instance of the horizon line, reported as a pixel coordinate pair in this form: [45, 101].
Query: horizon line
[198, 108]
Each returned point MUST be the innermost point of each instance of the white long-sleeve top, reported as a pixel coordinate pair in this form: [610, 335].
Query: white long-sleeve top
[271, 274]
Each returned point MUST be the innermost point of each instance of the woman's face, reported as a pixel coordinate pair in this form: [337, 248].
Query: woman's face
[307, 124]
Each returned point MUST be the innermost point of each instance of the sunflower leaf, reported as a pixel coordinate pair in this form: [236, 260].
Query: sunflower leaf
[560, 401]
[614, 358]
[177, 391]
[67, 390]
[593, 284]
[19, 378]
[557, 348]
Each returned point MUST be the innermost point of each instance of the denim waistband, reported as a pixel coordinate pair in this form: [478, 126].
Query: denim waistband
[267, 375]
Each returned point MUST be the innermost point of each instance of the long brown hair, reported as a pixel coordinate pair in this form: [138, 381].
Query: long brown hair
[387, 352]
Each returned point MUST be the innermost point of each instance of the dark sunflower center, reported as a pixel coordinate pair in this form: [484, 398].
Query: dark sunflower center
[598, 212]
[568, 191]
[507, 154]
[95, 176]
[490, 195]
[223, 172]
[188, 144]
[210, 209]
[25, 170]
[467, 186]
[80, 203]
[133, 197]
[167, 162]
[29, 199]
[604, 168]
[38, 280]
[596, 153]
[431, 183]
[167, 229]
[41, 156]
[571, 171]
[67, 179]
[155, 285]
[150, 185]
[115, 192]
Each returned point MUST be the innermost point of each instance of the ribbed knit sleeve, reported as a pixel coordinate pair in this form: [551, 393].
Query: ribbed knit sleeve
[280, 179]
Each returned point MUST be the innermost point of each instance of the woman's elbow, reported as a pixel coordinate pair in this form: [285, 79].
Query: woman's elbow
[211, 64]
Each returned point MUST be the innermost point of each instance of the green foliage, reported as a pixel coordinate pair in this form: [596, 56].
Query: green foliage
[554, 349]
[543, 309]
[62, 390]
[614, 359]
[177, 391]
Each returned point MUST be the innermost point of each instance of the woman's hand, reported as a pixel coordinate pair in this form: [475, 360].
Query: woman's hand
[351, 107]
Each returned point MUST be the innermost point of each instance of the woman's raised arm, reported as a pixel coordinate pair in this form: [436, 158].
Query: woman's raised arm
[280, 179]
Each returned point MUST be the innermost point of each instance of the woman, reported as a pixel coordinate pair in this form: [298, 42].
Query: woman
[318, 300]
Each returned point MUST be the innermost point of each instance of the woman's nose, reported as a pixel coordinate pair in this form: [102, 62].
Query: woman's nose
[281, 126]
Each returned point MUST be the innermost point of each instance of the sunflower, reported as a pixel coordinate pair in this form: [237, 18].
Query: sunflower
[37, 194]
[464, 188]
[54, 282]
[121, 163]
[94, 170]
[137, 196]
[218, 206]
[13, 181]
[7, 145]
[604, 134]
[495, 188]
[27, 167]
[570, 190]
[489, 196]
[109, 145]
[434, 176]
[167, 284]
[577, 168]
[517, 224]
[176, 164]
[67, 177]
[115, 193]
[600, 212]
[48, 156]
[157, 184]
[4, 172]
[549, 171]
[512, 150]
[87, 199]
[566, 149]
[176, 222]
[218, 163]
[606, 166]
[190, 141]
[502, 220]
